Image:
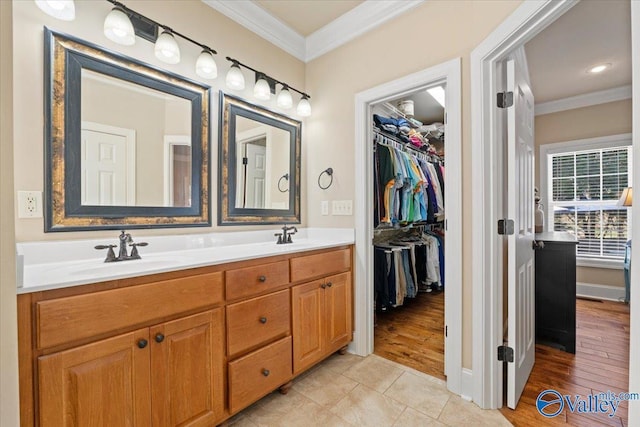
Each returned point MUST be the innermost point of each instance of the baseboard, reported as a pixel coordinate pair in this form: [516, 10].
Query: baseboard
[594, 290]
[466, 384]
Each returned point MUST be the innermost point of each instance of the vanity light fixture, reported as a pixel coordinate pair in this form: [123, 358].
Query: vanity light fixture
[118, 27]
[261, 90]
[235, 78]
[64, 10]
[284, 100]
[166, 48]
[304, 107]
[206, 66]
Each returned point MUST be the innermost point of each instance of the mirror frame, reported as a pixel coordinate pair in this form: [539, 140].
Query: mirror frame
[230, 108]
[65, 57]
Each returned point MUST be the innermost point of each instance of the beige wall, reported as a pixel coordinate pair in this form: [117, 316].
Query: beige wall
[580, 123]
[8, 321]
[191, 17]
[432, 33]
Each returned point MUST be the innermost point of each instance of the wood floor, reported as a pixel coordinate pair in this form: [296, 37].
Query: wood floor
[601, 363]
[413, 336]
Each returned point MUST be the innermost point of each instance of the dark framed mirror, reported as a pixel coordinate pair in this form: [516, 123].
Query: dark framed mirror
[259, 173]
[126, 144]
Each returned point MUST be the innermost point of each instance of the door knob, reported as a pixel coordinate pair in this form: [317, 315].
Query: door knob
[263, 320]
[265, 372]
[537, 245]
[159, 337]
[142, 343]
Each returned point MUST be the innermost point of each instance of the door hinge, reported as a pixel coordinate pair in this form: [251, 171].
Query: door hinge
[505, 354]
[245, 160]
[506, 227]
[505, 99]
[446, 331]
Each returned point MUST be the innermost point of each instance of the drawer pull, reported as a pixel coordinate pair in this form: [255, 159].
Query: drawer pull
[323, 286]
[263, 320]
[265, 372]
[142, 343]
[262, 278]
[159, 337]
[329, 285]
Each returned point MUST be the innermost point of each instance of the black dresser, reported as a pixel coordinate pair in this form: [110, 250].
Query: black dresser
[556, 290]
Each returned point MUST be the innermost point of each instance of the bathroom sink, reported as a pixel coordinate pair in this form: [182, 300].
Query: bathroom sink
[97, 268]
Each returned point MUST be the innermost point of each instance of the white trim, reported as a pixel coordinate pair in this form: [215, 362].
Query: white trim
[486, 274]
[466, 384]
[359, 20]
[169, 142]
[586, 100]
[448, 73]
[597, 291]
[256, 19]
[634, 350]
[356, 22]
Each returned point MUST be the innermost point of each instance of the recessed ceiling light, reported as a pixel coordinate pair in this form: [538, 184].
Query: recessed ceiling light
[598, 68]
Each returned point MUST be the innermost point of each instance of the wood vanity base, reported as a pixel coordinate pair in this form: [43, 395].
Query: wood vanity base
[229, 334]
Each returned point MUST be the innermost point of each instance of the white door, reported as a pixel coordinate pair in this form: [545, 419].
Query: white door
[103, 165]
[256, 155]
[520, 208]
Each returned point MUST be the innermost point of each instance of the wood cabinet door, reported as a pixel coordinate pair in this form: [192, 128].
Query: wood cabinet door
[338, 308]
[105, 383]
[187, 370]
[307, 315]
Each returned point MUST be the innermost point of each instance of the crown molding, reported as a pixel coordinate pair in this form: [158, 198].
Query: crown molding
[365, 17]
[586, 100]
[359, 20]
[256, 19]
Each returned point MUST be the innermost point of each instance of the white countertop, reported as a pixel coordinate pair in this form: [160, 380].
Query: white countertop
[60, 264]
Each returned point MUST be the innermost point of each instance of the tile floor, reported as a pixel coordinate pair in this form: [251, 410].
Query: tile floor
[354, 391]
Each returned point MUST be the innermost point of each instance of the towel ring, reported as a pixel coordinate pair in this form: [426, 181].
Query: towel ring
[328, 171]
[286, 177]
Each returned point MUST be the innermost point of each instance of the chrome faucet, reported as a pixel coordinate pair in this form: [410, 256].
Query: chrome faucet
[285, 236]
[125, 238]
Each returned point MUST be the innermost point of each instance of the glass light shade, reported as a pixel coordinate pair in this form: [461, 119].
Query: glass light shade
[304, 107]
[206, 66]
[118, 28]
[167, 49]
[284, 99]
[235, 79]
[626, 198]
[61, 9]
[261, 90]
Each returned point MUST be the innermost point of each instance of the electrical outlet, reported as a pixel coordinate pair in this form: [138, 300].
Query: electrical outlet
[342, 207]
[29, 204]
[324, 207]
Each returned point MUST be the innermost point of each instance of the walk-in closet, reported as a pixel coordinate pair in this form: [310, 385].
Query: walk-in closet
[408, 135]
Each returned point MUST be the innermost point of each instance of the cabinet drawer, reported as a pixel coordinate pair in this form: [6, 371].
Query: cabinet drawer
[259, 373]
[73, 318]
[312, 266]
[257, 321]
[250, 281]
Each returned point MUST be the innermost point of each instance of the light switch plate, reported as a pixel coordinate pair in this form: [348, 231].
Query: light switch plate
[324, 207]
[342, 207]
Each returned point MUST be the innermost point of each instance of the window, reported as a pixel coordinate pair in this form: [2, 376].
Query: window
[584, 183]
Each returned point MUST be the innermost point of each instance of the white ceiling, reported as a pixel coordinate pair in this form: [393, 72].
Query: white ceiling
[592, 32]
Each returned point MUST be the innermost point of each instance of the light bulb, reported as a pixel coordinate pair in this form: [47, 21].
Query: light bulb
[61, 9]
[235, 79]
[261, 90]
[206, 66]
[118, 27]
[284, 100]
[166, 48]
[304, 107]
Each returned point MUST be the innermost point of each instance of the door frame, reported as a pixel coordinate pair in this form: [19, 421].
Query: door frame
[169, 142]
[448, 73]
[487, 267]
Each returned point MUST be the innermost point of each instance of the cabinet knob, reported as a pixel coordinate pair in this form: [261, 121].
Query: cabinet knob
[265, 372]
[262, 278]
[159, 337]
[142, 343]
[263, 320]
[323, 286]
[329, 285]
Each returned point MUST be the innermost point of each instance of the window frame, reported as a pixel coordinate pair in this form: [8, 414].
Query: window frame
[610, 141]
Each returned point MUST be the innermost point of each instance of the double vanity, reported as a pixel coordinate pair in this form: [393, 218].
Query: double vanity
[198, 329]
